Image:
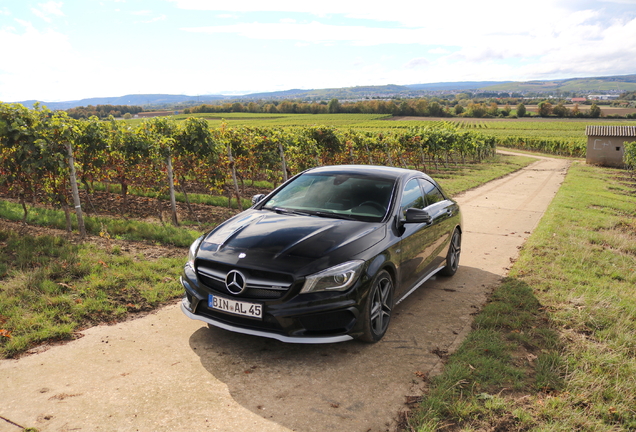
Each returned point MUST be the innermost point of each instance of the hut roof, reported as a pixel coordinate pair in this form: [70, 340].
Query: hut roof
[611, 131]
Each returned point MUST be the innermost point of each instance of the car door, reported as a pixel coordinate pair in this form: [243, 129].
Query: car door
[416, 239]
[441, 226]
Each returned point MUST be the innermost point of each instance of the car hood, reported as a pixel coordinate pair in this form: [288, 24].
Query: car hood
[289, 243]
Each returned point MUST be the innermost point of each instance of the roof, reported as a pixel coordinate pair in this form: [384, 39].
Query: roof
[611, 131]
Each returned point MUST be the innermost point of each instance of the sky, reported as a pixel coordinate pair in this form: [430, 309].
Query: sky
[74, 49]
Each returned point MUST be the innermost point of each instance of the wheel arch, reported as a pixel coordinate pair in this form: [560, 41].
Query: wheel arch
[379, 263]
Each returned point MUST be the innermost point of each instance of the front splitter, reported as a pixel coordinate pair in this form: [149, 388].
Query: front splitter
[282, 338]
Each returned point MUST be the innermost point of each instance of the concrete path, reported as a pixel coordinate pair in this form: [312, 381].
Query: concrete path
[165, 372]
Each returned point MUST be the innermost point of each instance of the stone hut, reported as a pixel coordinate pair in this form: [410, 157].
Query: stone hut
[605, 144]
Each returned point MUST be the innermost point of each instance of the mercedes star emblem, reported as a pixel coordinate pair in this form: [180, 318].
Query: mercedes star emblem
[235, 282]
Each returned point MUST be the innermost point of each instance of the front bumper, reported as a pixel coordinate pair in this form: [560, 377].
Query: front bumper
[282, 338]
[293, 322]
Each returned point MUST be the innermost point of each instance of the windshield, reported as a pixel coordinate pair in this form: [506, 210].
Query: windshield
[335, 195]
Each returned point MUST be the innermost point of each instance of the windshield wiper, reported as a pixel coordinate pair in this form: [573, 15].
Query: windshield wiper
[281, 210]
[333, 215]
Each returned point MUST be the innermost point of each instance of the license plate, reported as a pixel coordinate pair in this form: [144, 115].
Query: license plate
[253, 310]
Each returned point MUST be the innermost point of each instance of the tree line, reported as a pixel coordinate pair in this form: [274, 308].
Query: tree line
[422, 107]
[103, 111]
[45, 155]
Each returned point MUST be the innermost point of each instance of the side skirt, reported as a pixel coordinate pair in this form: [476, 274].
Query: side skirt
[419, 284]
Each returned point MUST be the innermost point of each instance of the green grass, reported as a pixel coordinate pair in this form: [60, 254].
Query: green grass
[106, 226]
[279, 120]
[554, 348]
[50, 288]
[526, 128]
[194, 198]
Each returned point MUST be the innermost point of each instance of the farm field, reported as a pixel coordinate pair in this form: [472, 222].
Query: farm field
[535, 127]
[551, 135]
[500, 127]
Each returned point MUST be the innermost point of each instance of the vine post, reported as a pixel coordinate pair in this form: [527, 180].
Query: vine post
[282, 160]
[75, 191]
[230, 156]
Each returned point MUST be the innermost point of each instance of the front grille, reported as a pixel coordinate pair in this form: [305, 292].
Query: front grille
[261, 284]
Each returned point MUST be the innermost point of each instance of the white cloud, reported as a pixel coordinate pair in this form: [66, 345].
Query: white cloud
[416, 42]
[142, 12]
[46, 10]
[317, 32]
[148, 13]
[155, 19]
[417, 63]
[459, 15]
[37, 55]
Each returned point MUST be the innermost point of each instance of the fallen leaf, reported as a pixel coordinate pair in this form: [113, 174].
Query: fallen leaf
[421, 375]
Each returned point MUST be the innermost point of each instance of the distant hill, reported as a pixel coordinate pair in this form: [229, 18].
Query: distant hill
[139, 100]
[613, 84]
[582, 86]
[463, 85]
[339, 93]
[385, 91]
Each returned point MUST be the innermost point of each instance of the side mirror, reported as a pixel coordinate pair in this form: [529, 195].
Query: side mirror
[414, 215]
[257, 198]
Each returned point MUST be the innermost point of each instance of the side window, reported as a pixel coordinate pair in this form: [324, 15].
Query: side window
[432, 193]
[412, 197]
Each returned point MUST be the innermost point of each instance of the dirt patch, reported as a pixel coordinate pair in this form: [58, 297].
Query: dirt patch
[152, 209]
[102, 203]
[150, 252]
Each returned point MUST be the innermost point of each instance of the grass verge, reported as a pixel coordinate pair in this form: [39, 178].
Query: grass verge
[554, 349]
[50, 287]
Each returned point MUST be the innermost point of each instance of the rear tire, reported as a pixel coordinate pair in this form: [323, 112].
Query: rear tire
[378, 308]
[452, 257]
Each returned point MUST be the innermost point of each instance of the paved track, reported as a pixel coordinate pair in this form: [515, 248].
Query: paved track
[165, 372]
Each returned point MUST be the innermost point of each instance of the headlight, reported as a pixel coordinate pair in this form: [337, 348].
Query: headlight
[338, 278]
[192, 254]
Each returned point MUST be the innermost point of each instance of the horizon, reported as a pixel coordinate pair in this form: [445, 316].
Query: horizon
[71, 50]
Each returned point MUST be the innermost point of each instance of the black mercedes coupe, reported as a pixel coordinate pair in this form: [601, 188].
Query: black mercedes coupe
[325, 257]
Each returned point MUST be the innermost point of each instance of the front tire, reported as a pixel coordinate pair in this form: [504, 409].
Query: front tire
[452, 257]
[378, 308]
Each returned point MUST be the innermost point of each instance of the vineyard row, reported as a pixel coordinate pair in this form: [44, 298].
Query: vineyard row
[45, 154]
